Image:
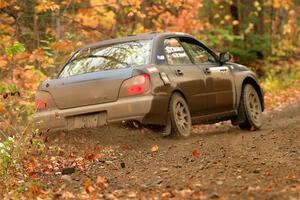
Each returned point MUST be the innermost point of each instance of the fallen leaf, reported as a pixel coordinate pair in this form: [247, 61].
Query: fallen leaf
[91, 189]
[195, 153]
[31, 164]
[101, 182]
[68, 195]
[34, 190]
[166, 195]
[87, 184]
[268, 174]
[89, 156]
[154, 148]
[94, 194]
[131, 194]
[290, 177]
[125, 146]
[268, 189]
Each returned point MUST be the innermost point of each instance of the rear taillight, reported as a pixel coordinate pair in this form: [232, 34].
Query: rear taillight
[138, 84]
[41, 104]
[43, 101]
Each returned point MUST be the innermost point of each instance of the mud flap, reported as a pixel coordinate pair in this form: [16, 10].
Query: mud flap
[241, 117]
[167, 129]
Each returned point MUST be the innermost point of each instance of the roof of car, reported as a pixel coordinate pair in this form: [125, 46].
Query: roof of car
[143, 36]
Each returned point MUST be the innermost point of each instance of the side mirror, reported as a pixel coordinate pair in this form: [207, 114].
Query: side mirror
[225, 57]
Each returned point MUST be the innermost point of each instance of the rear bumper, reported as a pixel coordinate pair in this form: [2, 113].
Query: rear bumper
[131, 108]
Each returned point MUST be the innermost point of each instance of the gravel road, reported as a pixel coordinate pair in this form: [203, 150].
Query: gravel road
[217, 162]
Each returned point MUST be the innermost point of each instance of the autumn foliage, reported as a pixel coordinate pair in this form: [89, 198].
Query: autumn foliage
[38, 36]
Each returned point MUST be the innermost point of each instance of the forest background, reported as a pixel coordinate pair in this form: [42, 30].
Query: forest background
[37, 37]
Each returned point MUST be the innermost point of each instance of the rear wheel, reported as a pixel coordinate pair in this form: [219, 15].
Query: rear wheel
[165, 130]
[180, 118]
[252, 109]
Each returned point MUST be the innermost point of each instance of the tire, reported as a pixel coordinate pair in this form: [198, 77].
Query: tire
[252, 109]
[180, 117]
[164, 130]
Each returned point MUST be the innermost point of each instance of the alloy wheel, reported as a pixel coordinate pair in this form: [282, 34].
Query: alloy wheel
[254, 105]
[181, 116]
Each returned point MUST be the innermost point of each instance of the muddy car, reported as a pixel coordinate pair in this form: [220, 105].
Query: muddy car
[170, 80]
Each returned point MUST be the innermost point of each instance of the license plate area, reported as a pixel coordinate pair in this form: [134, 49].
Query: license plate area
[90, 120]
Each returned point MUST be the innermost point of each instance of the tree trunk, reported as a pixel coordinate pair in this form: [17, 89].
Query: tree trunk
[234, 10]
[261, 17]
[36, 30]
[58, 31]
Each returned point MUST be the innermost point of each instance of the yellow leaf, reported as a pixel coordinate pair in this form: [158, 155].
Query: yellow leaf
[87, 17]
[107, 20]
[235, 23]
[154, 148]
[216, 16]
[227, 17]
[46, 5]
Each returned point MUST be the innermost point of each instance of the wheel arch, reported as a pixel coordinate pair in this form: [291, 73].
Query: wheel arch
[254, 83]
[181, 93]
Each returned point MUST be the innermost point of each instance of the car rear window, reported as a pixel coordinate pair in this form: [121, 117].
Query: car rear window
[116, 56]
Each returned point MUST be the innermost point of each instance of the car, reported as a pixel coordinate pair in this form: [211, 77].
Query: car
[167, 80]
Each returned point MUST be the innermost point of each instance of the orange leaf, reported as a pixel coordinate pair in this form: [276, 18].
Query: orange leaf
[89, 156]
[31, 164]
[2, 107]
[87, 185]
[125, 146]
[37, 54]
[3, 4]
[195, 153]
[34, 190]
[62, 45]
[3, 62]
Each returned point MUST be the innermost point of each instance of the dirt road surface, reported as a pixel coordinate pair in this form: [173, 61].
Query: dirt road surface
[217, 162]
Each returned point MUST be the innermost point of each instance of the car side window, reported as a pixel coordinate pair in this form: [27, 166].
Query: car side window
[175, 53]
[198, 53]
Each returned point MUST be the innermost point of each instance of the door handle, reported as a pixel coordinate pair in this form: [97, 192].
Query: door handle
[223, 70]
[179, 72]
[207, 70]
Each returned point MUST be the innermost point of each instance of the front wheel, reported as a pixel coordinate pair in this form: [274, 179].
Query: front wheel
[180, 117]
[252, 109]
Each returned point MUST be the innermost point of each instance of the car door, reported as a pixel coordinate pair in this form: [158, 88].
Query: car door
[218, 78]
[187, 76]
